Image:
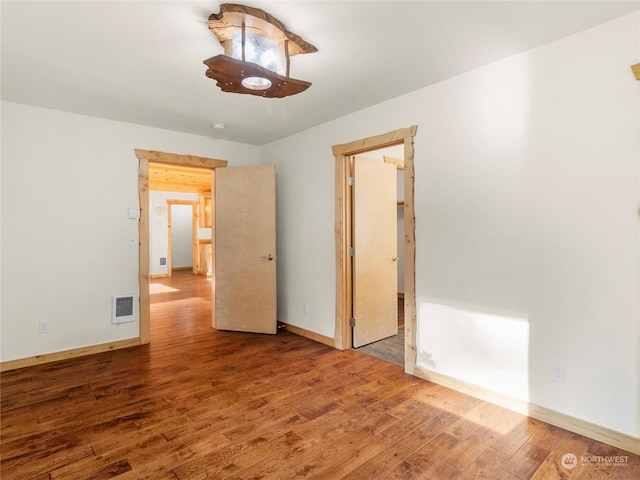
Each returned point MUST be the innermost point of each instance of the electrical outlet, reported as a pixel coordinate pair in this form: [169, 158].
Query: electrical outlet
[558, 372]
[305, 308]
[43, 326]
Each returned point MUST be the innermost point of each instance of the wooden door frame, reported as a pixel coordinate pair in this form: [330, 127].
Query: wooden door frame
[195, 258]
[343, 222]
[144, 157]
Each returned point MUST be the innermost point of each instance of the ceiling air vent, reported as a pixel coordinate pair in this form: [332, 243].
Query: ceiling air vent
[123, 308]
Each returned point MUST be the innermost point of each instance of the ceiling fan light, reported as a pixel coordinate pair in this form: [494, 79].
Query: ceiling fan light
[257, 51]
[229, 73]
[256, 83]
[260, 50]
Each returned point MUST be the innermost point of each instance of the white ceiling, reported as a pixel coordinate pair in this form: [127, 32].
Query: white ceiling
[141, 61]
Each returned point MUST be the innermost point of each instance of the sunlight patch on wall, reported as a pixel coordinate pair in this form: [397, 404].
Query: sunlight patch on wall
[484, 349]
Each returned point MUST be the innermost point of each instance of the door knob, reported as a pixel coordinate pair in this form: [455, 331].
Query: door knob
[270, 257]
[395, 259]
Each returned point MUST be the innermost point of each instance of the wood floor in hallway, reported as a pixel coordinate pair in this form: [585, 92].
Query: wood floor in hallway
[198, 403]
[389, 349]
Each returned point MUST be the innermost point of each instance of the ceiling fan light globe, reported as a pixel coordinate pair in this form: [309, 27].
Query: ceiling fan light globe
[256, 83]
[262, 51]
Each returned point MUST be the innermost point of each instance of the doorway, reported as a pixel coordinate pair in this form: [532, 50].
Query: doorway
[386, 332]
[145, 157]
[344, 232]
[238, 219]
[182, 236]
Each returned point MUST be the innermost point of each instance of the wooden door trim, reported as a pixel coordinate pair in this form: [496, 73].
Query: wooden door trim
[180, 160]
[342, 153]
[195, 258]
[144, 157]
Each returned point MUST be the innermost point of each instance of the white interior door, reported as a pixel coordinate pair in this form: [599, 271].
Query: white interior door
[244, 280]
[375, 268]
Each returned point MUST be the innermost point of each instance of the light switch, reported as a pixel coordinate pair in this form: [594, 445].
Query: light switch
[132, 240]
[133, 213]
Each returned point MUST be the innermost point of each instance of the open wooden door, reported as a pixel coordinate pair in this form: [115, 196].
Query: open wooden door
[375, 267]
[244, 279]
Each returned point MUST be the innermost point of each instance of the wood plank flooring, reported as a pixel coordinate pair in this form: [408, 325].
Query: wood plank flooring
[198, 403]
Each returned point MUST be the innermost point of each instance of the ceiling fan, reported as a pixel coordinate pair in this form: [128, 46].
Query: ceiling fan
[257, 53]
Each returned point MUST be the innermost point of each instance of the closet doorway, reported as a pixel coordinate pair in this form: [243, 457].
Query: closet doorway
[351, 285]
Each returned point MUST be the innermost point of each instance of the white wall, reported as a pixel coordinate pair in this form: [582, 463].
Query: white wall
[66, 185]
[181, 236]
[526, 208]
[530, 198]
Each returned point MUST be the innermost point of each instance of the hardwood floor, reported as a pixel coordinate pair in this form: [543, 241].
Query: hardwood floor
[198, 403]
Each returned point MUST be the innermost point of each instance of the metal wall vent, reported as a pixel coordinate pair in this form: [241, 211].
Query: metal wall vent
[123, 308]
